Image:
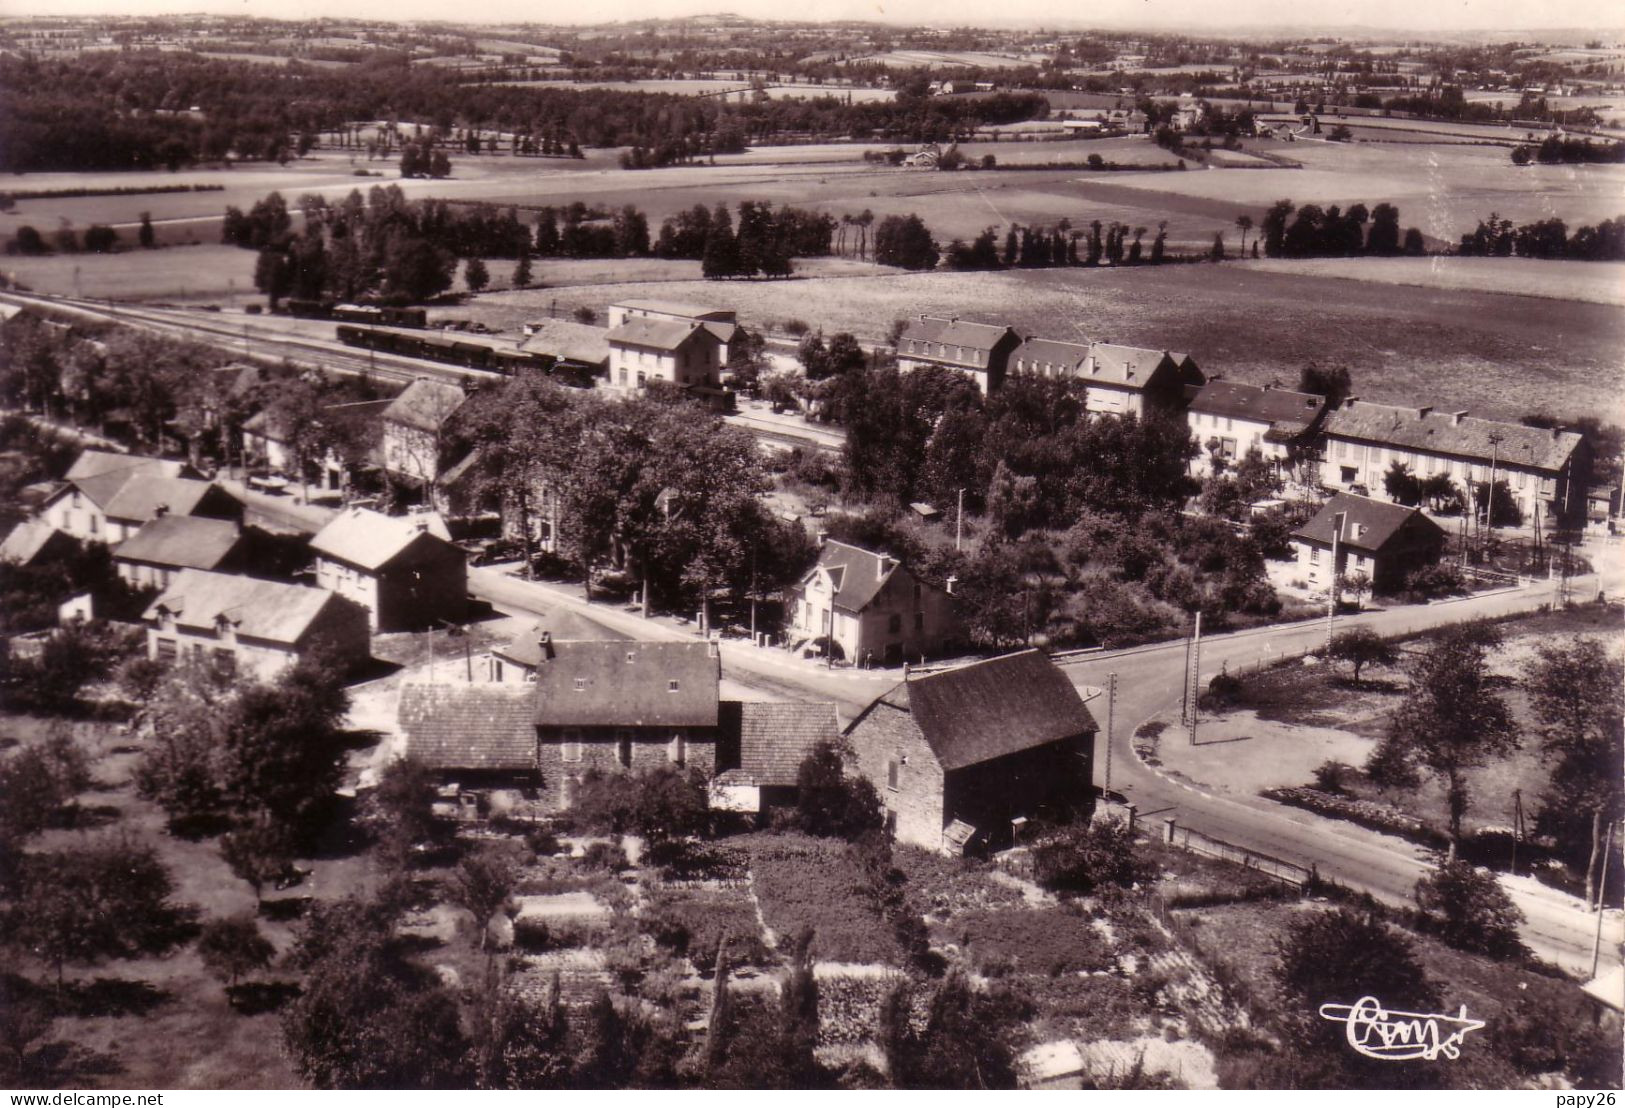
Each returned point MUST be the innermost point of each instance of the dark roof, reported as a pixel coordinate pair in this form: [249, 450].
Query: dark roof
[486, 726]
[1282, 408]
[94, 463]
[629, 684]
[371, 540]
[1065, 356]
[29, 539]
[272, 611]
[775, 738]
[563, 625]
[1452, 433]
[1129, 366]
[653, 334]
[425, 404]
[953, 332]
[1368, 524]
[183, 542]
[859, 574]
[568, 341]
[986, 710]
[146, 496]
[677, 308]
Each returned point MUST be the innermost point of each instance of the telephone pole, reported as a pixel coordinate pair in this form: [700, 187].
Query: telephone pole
[1111, 724]
[959, 522]
[1331, 589]
[1193, 688]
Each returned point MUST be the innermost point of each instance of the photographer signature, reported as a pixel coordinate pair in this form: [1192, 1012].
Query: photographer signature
[1375, 1032]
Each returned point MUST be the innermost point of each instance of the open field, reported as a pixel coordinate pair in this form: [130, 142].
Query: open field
[969, 59]
[732, 89]
[1492, 353]
[175, 273]
[1591, 282]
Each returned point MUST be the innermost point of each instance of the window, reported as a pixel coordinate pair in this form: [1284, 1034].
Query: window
[919, 593]
[1314, 555]
[225, 662]
[894, 624]
[623, 749]
[677, 750]
[167, 650]
[570, 748]
[94, 523]
[893, 769]
[581, 684]
[631, 656]
[76, 498]
[672, 685]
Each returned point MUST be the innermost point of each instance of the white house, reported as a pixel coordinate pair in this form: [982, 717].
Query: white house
[1229, 420]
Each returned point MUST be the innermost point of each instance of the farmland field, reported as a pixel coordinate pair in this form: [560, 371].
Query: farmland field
[1492, 353]
[177, 273]
[1592, 282]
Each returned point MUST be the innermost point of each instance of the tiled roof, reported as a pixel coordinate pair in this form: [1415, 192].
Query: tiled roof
[569, 341]
[1281, 408]
[371, 540]
[270, 610]
[182, 542]
[426, 404]
[989, 709]
[1067, 357]
[1124, 365]
[676, 308]
[629, 684]
[951, 332]
[652, 334]
[563, 625]
[775, 738]
[1368, 524]
[1453, 433]
[474, 726]
[26, 540]
[145, 495]
[859, 574]
[94, 463]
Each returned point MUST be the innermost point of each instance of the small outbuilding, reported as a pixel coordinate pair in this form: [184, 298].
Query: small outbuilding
[1386, 542]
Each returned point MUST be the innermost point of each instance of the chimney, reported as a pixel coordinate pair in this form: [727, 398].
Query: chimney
[1349, 401]
[546, 644]
[1557, 433]
[949, 584]
[887, 564]
[160, 511]
[1423, 413]
[1456, 418]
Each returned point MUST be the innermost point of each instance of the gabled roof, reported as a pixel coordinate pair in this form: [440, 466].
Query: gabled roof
[182, 542]
[653, 334]
[954, 332]
[1130, 366]
[371, 540]
[272, 611]
[1453, 433]
[775, 738]
[28, 540]
[426, 404]
[1069, 357]
[858, 574]
[563, 625]
[94, 463]
[1283, 409]
[629, 684]
[146, 497]
[677, 308]
[1368, 524]
[989, 709]
[568, 341]
[475, 726]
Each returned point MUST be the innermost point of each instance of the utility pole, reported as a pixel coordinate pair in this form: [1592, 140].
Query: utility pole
[1194, 690]
[1602, 887]
[959, 522]
[1489, 497]
[1517, 826]
[1331, 590]
[1111, 724]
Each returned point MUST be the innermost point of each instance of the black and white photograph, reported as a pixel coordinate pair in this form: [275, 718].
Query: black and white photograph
[670, 546]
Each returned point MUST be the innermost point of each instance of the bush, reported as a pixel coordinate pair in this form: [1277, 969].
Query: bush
[605, 856]
[1366, 813]
[1443, 579]
[829, 803]
[1467, 908]
[543, 843]
[1330, 775]
[1224, 691]
[1083, 858]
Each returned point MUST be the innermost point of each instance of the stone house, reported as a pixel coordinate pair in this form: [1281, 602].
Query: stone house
[763, 746]
[865, 606]
[960, 754]
[1384, 541]
[979, 350]
[415, 445]
[396, 567]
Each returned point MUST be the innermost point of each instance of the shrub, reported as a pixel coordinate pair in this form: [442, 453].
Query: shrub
[1438, 580]
[1366, 813]
[605, 856]
[1329, 775]
[585, 315]
[1225, 690]
[1083, 858]
[828, 802]
[1467, 908]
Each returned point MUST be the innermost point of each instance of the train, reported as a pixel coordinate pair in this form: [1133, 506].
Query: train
[465, 352]
[358, 313]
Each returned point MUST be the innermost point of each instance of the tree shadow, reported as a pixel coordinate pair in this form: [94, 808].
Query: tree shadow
[199, 827]
[253, 998]
[86, 817]
[111, 996]
[285, 909]
[63, 1063]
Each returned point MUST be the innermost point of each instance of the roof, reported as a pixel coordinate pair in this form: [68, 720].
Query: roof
[677, 308]
[1131, 366]
[273, 611]
[954, 332]
[94, 463]
[426, 404]
[568, 341]
[990, 709]
[1453, 433]
[1282, 409]
[188, 542]
[1069, 356]
[243, 378]
[1368, 524]
[629, 684]
[26, 540]
[371, 540]
[146, 496]
[654, 334]
[473, 726]
[563, 625]
[774, 739]
[859, 574]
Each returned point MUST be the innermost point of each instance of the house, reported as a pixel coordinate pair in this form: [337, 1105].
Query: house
[980, 350]
[475, 734]
[763, 746]
[268, 438]
[575, 348]
[721, 322]
[686, 353]
[244, 625]
[109, 503]
[864, 606]
[35, 542]
[147, 497]
[1229, 420]
[1602, 510]
[395, 567]
[1117, 380]
[414, 440]
[97, 463]
[1545, 470]
[625, 706]
[515, 662]
[957, 755]
[1386, 542]
[152, 556]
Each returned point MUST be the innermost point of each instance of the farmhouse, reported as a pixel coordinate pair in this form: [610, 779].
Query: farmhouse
[34, 542]
[415, 444]
[864, 606]
[1544, 470]
[686, 353]
[112, 505]
[958, 755]
[980, 350]
[1229, 420]
[152, 556]
[1386, 542]
[244, 625]
[762, 748]
[395, 567]
[480, 734]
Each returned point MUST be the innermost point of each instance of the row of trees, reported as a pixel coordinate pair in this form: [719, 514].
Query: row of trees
[1496, 237]
[1561, 150]
[1332, 232]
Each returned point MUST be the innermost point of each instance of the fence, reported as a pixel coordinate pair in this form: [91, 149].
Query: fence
[1196, 842]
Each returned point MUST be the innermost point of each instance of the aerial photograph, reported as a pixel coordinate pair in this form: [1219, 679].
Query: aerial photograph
[684, 546]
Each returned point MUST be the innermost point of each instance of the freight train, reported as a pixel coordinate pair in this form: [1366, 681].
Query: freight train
[358, 313]
[462, 351]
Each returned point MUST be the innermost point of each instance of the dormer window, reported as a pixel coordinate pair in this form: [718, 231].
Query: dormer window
[672, 685]
[581, 684]
[631, 656]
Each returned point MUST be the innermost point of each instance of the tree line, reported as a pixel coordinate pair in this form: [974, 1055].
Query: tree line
[1332, 232]
[1496, 237]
